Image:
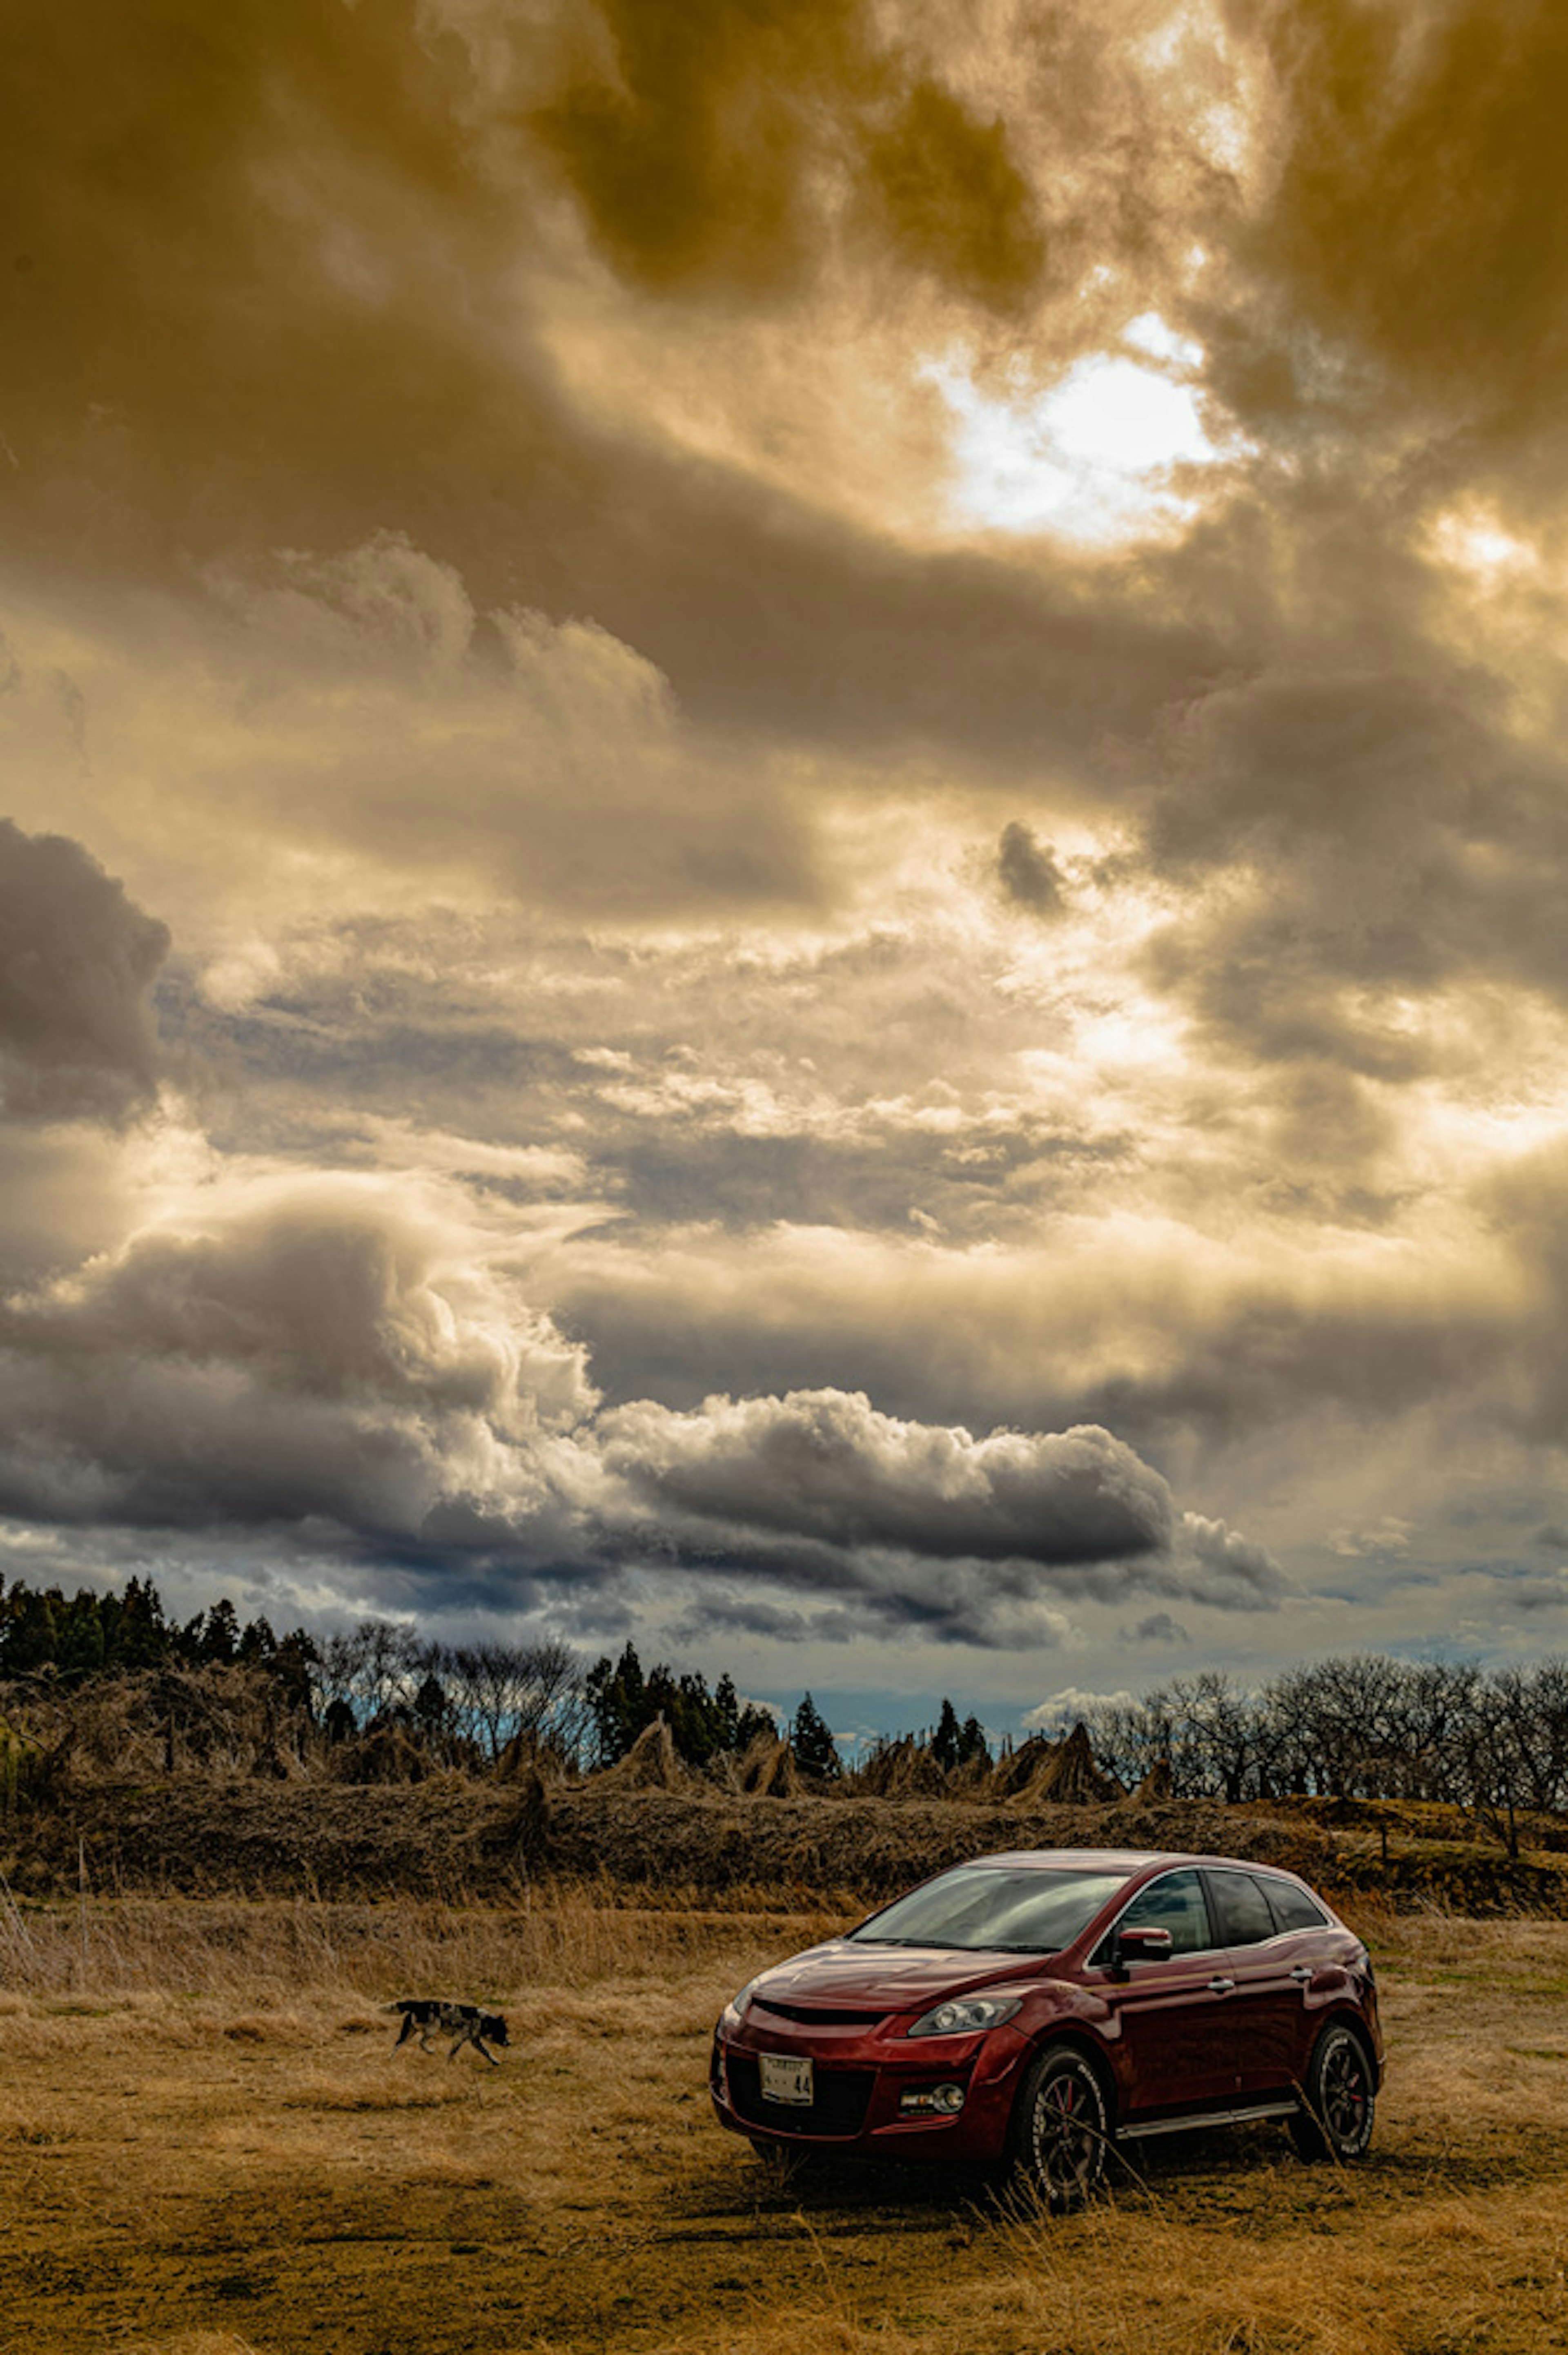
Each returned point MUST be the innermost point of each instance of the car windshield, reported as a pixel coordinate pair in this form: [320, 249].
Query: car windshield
[993, 1908]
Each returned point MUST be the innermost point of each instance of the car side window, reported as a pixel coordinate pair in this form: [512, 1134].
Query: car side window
[1293, 1909]
[1173, 1902]
[1241, 1909]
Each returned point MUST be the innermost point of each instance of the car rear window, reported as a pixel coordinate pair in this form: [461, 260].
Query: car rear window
[998, 1909]
[1241, 1909]
[1293, 1908]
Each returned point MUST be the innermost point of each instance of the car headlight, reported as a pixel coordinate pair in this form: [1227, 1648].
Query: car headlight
[734, 2010]
[967, 2015]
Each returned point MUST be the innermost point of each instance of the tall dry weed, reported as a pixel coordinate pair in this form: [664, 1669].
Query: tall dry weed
[279, 1949]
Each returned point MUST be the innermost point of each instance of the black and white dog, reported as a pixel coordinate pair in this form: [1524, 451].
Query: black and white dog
[424, 2016]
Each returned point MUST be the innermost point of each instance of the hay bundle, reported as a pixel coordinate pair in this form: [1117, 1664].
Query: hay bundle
[1068, 1778]
[971, 1781]
[651, 1765]
[766, 1769]
[1156, 1785]
[904, 1769]
[1016, 1770]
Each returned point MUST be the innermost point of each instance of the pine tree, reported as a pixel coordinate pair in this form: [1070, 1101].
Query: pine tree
[618, 1702]
[726, 1711]
[972, 1742]
[810, 1739]
[946, 1741]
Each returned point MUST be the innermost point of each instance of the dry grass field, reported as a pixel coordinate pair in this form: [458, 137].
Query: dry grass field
[208, 2147]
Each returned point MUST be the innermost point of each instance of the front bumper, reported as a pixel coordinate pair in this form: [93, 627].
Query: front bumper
[859, 2079]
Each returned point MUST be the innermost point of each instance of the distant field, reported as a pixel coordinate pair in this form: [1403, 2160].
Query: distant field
[207, 2146]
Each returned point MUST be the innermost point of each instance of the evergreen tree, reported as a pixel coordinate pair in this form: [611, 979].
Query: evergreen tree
[258, 1644]
[78, 1635]
[27, 1635]
[972, 1744]
[136, 1634]
[617, 1703]
[810, 1739]
[727, 1711]
[946, 1740]
[212, 1637]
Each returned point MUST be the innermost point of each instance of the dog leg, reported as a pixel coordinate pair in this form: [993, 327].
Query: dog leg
[406, 2030]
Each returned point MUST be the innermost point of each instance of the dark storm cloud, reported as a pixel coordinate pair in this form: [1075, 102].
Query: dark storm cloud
[1027, 871]
[315, 1354]
[1418, 212]
[912, 1526]
[691, 151]
[826, 1464]
[712, 146]
[951, 200]
[329, 1361]
[78, 961]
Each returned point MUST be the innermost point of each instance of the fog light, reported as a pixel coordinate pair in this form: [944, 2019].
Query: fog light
[932, 2101]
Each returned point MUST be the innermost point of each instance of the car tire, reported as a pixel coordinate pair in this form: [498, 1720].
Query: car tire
[1060, 2130]
[1339, 2099]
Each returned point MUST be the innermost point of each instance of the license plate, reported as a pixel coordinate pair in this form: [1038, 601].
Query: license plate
[785, 2079]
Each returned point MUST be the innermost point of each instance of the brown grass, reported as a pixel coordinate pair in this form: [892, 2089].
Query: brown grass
[208, 2147]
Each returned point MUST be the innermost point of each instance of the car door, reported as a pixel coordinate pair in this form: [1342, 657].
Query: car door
[1169, 2015]
[1272, 1971]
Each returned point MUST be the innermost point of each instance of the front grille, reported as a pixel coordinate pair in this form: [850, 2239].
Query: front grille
[817, 2015]
[843, 2098]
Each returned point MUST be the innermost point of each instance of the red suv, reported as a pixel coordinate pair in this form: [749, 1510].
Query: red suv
[1038, 2007]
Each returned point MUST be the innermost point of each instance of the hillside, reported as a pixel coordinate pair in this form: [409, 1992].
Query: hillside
[462, 1840]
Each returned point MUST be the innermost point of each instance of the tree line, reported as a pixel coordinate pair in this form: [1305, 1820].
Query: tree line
[1359, 1727]
[1355, 1727]
[462, 1704]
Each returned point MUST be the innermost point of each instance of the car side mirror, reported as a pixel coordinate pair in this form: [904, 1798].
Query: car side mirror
[1140, 1945]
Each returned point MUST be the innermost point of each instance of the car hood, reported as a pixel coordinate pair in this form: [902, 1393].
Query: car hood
[893, 1978]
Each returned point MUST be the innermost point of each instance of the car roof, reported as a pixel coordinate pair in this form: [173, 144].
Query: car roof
[1127, 1860]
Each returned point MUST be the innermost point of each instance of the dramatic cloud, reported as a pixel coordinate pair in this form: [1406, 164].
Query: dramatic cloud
[321, 1350]
[343, 1361]
[77, 961]
[851, 728]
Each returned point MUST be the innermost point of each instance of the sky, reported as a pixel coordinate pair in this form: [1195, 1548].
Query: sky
[786, 830]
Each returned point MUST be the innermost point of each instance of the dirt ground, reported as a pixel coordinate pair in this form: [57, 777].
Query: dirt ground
[231, 2156]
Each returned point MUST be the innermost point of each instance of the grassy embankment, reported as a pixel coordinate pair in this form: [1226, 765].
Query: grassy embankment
[208, 2147]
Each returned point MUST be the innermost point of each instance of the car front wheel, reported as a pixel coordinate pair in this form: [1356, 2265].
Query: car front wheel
[1338, 2099]
[1060, 2128]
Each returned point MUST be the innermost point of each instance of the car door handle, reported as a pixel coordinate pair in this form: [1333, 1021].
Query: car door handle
[1302, 1974]
[1221, 1986]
